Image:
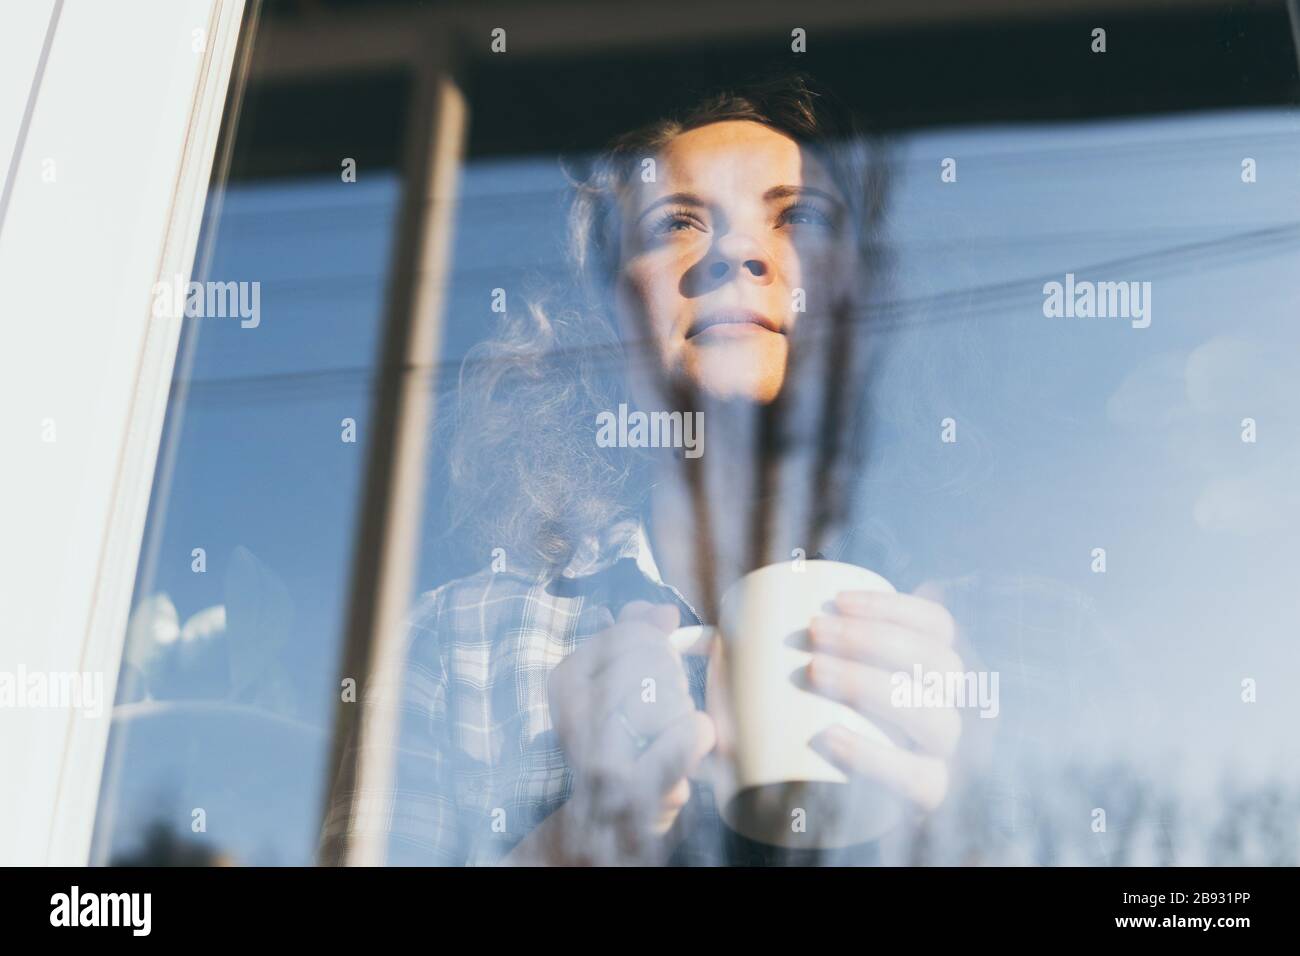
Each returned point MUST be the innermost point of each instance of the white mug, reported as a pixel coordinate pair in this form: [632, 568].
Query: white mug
[768, 783]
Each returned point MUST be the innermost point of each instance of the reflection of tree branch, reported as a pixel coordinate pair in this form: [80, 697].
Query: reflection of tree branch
[164, 847]
[1044, 817]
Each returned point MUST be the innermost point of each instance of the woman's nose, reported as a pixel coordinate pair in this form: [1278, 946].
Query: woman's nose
[739, 255]
[755, 267]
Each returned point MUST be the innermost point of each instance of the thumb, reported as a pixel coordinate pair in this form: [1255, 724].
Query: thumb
[663, 617]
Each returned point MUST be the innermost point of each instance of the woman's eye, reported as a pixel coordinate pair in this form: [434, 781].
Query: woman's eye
[674, 221]
[801, 214]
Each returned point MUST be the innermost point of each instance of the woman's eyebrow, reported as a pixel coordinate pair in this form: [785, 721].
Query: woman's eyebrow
[672, 199]
[790, 192]
[772, 195]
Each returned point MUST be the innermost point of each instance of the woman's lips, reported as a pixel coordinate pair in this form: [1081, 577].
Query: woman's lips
[737, 322]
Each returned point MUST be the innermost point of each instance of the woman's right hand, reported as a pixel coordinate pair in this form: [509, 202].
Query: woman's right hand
[622, 709]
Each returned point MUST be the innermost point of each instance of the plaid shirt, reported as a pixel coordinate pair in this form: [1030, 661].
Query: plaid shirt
[478, 764]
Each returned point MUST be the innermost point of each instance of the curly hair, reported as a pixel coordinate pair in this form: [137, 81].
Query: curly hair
[526, 472]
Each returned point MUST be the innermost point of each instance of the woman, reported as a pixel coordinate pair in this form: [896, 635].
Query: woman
[723, 257]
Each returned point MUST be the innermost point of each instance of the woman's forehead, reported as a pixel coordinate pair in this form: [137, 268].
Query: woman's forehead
[732, 157]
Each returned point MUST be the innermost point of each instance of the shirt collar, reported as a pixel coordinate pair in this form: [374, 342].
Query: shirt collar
[645, 557]
[625, 539]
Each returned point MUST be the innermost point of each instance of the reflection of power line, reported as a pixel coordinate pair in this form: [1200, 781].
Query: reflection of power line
[1211, 253]
[314, 218]
[383, 212]
[256, 223]
[1077, 236]
[885, 315]
[305, 286]
[1173, 151]
[282, 386]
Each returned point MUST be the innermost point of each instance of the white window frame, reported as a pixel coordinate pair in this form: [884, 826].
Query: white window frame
[107, 160]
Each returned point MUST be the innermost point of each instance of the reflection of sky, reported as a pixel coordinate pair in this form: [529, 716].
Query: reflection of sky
[264, 484]
[1072, 434]
[1102, 435]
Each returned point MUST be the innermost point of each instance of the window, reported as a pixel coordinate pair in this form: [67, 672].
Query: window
[1078, 429]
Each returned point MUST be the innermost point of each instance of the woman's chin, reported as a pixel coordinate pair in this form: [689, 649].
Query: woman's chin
[745, 370]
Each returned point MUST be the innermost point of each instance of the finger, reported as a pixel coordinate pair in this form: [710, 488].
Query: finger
[918, 613]
[584, 688]
[676, 752]
[650, 791]
[646, 678]
[931, 590]
[639, 622]
[636, 648]
[608, 645]
[584, 712]
[662, 616]
[916, 777]
[679, 795]
[871, 691]
[672, 805]
[881, 642]
[649, 700]
[621, 707]
[634, 784]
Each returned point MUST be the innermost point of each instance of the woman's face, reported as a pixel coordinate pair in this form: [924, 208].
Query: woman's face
[741, 236]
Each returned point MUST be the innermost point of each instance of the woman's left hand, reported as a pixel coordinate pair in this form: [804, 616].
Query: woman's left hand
[857, 652]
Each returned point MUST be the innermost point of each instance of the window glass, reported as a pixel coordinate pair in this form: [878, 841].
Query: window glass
[225, 704]
[1018, 344]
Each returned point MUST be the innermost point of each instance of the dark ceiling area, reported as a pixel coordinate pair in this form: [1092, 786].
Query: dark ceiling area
[975, 70]
[306, 127]
[973, 73]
